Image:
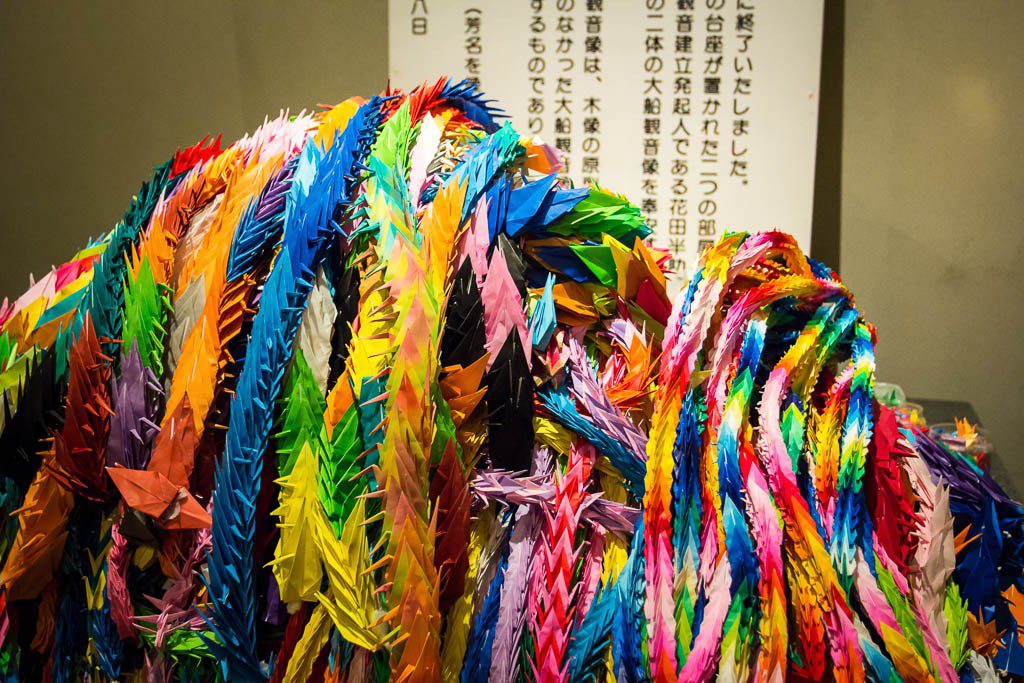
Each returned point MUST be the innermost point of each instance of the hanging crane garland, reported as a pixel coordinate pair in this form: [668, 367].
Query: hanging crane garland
[374, 394]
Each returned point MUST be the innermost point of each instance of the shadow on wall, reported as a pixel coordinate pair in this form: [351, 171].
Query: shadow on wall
[828, 164]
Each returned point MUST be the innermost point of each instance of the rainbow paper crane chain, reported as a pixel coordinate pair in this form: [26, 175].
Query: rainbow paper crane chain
[375, 394]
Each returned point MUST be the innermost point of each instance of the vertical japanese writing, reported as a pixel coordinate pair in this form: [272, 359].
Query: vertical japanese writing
[682, 109]
[474, 44]
[653, 89]
[536, 68]
[655, 99]
[593, 70]
[564, 105]
[710, 125]
[418, 23]
[743, 67]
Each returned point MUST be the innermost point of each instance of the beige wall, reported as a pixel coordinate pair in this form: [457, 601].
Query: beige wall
[932, 202]
[931, 209]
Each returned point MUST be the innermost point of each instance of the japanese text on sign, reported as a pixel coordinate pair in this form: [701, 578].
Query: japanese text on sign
[702, 111]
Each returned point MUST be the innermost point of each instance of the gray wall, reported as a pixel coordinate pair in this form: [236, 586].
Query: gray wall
[919, 190]
[932, 217]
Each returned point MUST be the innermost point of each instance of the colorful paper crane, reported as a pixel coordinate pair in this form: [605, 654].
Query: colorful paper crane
[375, 393]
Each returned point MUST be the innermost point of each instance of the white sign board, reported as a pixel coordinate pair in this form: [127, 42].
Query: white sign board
[702, 112]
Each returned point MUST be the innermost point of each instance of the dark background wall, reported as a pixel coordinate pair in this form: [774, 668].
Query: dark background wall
[932, 208]
[918, 195]
[95, 93]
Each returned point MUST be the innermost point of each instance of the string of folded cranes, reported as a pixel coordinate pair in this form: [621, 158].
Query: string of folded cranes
[371, 394]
